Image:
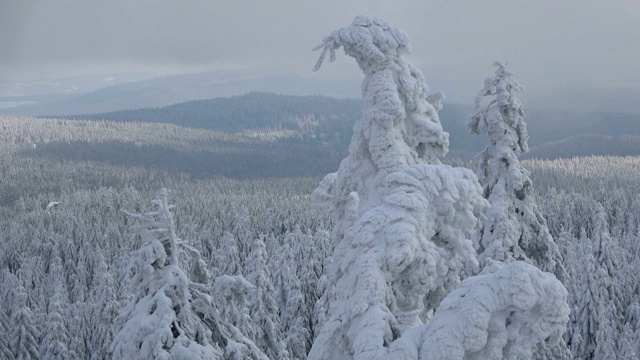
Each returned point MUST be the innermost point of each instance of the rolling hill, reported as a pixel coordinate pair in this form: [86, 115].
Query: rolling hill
[329, 121]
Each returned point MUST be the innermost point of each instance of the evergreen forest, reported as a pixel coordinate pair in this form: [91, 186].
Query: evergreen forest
[66, 243]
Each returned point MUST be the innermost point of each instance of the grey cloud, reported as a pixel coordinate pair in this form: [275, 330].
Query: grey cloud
[547, 43]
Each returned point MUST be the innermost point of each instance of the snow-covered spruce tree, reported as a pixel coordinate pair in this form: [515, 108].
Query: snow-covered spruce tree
[263, 306]
[5, 348]
[628, 345]
[585, 314]
[402, 227]
[105, 308]
[513, 227]
[54, 344]
[170, 317]
[23, 337]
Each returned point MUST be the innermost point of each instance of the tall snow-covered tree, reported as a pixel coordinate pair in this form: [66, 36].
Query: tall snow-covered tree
[403, 222]
[513, 227]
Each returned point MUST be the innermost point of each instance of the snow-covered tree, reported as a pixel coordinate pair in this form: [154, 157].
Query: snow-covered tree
[55, 341]
[607, 334]
[230, 253]
[606, 254]
[263, 306]
[295, 323]
[170, 317]
[158, 322]
[230, 293]
[628, 345]
[23, 337]
[104, 310]
[585, 314]
[5, 348]
[403, 222]
[513, 227]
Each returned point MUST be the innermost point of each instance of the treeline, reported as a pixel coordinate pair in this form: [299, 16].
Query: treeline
[328, 121]
[588, 145]
[318, 117]
[64, 154]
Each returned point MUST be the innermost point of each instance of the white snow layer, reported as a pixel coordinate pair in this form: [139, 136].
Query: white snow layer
[513, 228]
[403, 223]
[169, 316]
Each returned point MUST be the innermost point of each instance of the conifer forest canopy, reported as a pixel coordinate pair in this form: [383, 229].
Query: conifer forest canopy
[314, 228]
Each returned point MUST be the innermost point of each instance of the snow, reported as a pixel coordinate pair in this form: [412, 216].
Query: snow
[170, 317]
[514, 228]
[500, 314]
[403, 223]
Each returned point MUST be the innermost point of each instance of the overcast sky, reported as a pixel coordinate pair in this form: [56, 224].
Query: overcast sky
[548, 44]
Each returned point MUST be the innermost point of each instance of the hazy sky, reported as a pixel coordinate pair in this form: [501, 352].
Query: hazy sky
[548, 44]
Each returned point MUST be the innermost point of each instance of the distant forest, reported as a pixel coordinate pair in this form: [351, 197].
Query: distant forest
[319, 117]
[327, 122]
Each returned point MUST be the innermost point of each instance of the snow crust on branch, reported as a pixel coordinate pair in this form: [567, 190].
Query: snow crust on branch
[500, 314]
[403, 220]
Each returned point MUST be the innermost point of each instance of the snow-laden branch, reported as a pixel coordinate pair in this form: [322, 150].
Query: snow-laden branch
[399, 124]
[373, 42]
[501, 314]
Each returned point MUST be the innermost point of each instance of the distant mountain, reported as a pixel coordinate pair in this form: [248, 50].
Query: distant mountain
[311, 117]
[38, 97]
[70, 85]
[173, 89]
[610, 100]
[330, 120]
[127, 91]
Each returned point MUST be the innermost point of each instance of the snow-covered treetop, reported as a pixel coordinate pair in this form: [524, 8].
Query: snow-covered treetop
[157, 226]
[373, 42]
[399, 125]
[504, 110]
[513, 228]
